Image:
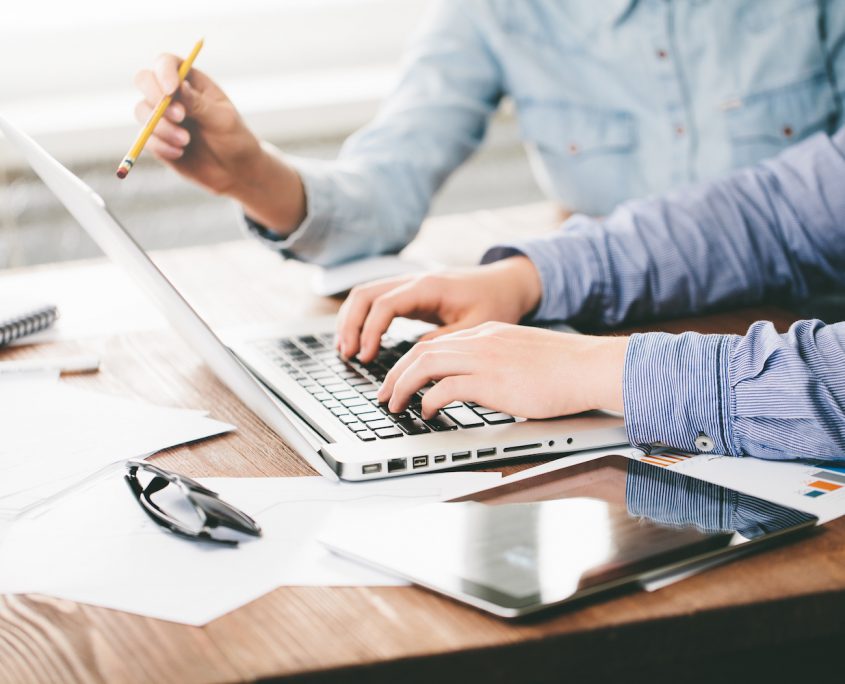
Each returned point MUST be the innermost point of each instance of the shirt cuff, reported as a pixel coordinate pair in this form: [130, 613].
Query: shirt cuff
[676, 392]
[571, 273]
[307, 242]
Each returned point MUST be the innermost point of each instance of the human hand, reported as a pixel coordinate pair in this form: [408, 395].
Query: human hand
[204, 138]
[514, 369]
[201, 134]
[504, 291]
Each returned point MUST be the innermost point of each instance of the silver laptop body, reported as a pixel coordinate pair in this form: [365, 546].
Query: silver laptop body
[320, 406]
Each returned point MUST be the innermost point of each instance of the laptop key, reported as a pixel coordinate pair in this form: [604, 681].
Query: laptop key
[411, 425]
[345, 394]
[441, 423]
[363, 408]
[366, 435]
[387, 433]
[348, 418]
[356, 401]
[379, 424]
[482, 411]
[323, 396]
[340, 411]
[336, 387]
[498, 418]
[356, 426]
[371, 416]
[369, 395]
[358, 381]
[331, 403]
[464, 417]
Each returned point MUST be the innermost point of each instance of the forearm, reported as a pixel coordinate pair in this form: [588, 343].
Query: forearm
[762, 394]
[271, 192]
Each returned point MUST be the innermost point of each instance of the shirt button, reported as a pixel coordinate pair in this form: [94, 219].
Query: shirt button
[703, 443]
[788, 132]
[573, 148]
[679, 130]
[662, 54]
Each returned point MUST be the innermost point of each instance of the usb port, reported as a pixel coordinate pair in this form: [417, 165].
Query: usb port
[440, 459]
[395, 464]
[486, 452]
[420, 461]
[371, 468]
[460, 456]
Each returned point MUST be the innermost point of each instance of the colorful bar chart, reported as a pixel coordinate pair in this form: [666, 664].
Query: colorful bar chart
[828, 479]
[664, 459]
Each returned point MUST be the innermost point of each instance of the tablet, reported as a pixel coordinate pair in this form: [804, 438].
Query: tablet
[530, 544]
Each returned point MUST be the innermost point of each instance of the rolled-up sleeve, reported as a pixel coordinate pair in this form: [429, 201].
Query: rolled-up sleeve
[374, 196]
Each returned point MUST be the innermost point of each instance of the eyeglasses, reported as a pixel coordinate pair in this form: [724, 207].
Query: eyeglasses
[185, 507]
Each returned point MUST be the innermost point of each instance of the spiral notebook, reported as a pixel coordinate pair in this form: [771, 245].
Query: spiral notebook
[19, 322]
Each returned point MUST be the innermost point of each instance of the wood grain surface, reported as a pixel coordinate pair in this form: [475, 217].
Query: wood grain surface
[759, 616]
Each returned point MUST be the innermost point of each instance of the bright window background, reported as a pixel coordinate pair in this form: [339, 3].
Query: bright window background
[67, 66]
[305, 74]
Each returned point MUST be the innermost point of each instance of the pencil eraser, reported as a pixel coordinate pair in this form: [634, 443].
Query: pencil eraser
[122, 172]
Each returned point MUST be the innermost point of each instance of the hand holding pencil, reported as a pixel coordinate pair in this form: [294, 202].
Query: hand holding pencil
[201, 135]
[133, 154]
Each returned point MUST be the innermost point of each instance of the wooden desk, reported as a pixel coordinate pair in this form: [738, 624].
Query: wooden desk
[775, 615]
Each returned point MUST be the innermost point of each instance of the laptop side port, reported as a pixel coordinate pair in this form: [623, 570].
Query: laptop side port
[440, 458]
[395, 464]
[522, 447]
[371, 468]
[420, 461]
[481, 453]
[460, 456]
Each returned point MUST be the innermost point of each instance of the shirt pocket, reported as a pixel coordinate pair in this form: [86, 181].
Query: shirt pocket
[585, 154]
[762, 124]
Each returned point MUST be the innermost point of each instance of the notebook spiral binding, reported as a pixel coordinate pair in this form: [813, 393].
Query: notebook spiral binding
[27, 323]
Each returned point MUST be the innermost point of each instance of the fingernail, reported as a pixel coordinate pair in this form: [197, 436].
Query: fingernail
[184, 137]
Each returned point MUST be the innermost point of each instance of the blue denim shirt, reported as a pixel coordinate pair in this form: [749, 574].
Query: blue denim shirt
[772, 231]
[615, 99]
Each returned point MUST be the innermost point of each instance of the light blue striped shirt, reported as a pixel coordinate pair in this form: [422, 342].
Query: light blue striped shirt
[614, 99]
[776, 230]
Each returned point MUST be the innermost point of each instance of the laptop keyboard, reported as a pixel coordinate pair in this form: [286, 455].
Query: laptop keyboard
[348, 389]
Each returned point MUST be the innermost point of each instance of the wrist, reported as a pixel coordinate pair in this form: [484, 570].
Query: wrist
[608, 371]
[270, 191]
[525, 280]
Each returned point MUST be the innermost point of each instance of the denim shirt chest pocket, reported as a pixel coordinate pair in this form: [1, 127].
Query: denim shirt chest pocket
[761, 124]
[583, 154]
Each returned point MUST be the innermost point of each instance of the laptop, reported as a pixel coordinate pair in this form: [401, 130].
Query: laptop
[324, 408]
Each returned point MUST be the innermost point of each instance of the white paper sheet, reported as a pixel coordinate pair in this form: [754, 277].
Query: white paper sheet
[54, 434]
[97, 546]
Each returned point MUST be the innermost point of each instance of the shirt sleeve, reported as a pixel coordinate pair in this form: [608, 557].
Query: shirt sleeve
[762, 394]
[777, 229]
[373, 198]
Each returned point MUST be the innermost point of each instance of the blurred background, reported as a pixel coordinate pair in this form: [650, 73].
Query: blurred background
[305, 74]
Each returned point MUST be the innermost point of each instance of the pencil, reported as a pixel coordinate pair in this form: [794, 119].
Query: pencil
[135, 151]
